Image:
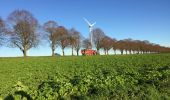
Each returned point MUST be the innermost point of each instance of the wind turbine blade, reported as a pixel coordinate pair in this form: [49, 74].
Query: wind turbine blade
[87, 22]
[93, 24]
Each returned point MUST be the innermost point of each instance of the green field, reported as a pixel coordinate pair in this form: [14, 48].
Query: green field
[122, 77]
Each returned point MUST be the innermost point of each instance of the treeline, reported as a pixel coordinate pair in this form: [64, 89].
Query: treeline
[22, 30]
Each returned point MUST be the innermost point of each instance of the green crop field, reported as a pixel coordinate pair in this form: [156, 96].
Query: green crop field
[121, 77]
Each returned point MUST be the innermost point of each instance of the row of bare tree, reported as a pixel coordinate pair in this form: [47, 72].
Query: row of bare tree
[23, 31]
[126, 46]
[59, 35]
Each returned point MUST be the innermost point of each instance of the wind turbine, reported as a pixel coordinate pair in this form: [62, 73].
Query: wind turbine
[90, 30]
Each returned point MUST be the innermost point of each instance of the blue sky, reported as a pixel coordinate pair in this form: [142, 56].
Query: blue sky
[120, 19]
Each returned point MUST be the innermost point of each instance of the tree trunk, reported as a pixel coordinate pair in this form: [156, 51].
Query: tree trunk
[72, 50]
[24, 53]
[53, 49]
[98, 51]
[121, 52]
[126, 52]
[141, 52]
[53, 54]
[105, 52]
[63, 51]
[77, 52]
[115, 52]
[130, 52]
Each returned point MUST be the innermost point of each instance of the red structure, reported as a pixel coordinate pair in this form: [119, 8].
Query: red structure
[88, 52]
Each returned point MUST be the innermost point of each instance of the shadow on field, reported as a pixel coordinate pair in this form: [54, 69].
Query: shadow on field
[9, 97]
[22, 95]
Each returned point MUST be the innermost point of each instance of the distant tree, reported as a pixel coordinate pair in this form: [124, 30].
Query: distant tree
[75, 40]
[121, 46]
[62, 39]
[114, 44]
[71, 40]
[86, 44]
[51, 34]
[134, 46]
[106, 44]
[77, 45]
[141, 47]
[23, 34]
[128, 45]
[156, 48]
[146, 45]
[98, 35]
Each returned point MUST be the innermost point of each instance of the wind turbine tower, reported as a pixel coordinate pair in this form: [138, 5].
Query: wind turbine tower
[91, 25]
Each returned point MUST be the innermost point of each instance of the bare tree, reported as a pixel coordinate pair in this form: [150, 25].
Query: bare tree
[114, 41]
[121, 46]
[72, 39]
[23, 33]
[86, 44]
[62, 39]
[77, 45]
[98, 34]
[106, 44]
[75, 40]
[50, 28]
[128, 45]
[146, 45]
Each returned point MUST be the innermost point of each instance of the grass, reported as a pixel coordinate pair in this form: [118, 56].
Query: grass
[86, 77]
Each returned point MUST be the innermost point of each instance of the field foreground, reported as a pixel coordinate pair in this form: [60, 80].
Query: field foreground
[91, 77]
